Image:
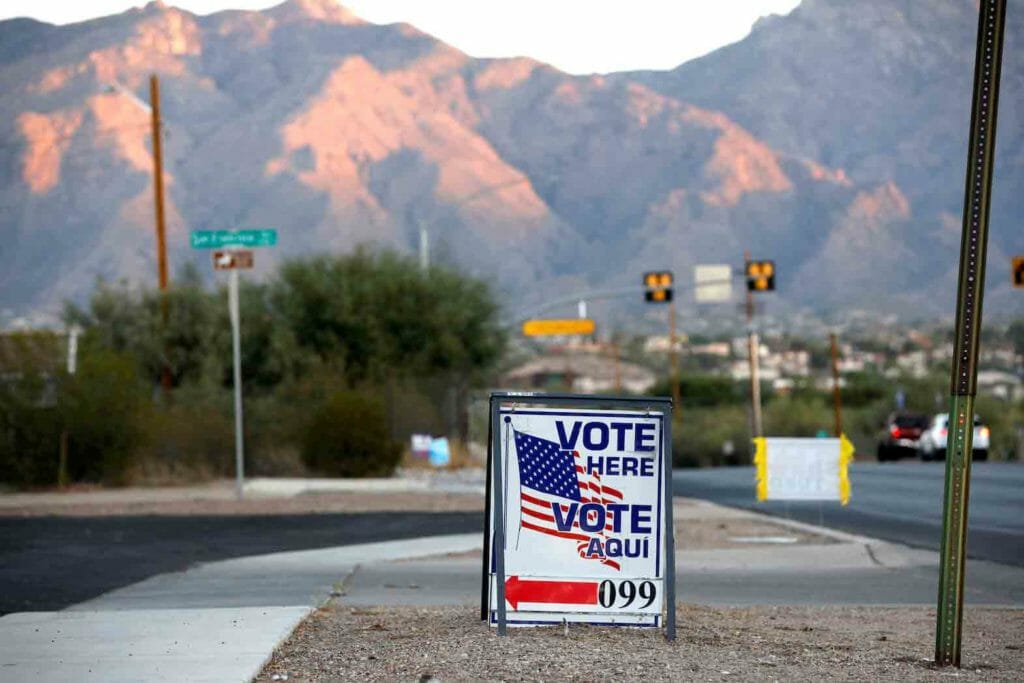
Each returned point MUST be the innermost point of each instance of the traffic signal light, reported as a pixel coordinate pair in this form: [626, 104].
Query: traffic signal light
[760, 276]
[658, 287]
[1017, 271]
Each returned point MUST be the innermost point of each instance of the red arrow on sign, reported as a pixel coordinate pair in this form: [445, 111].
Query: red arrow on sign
[563, 592]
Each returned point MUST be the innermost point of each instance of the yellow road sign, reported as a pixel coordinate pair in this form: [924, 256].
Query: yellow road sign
[568, 326]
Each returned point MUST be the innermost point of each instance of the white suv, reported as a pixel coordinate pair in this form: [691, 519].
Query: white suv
[932, 445]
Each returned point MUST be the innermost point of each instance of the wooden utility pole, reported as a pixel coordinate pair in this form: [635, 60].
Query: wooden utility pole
[753, 352]
[618, 369]
[613, 346]
[161, 232]
[836, 398]
[673, 357]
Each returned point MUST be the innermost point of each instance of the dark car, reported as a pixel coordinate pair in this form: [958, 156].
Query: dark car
[902, 433]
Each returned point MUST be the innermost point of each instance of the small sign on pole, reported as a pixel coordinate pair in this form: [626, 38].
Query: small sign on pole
[803, 468]
[713, 283]
[566, 327]
[232, 259]
[579, 519]
[420, 445]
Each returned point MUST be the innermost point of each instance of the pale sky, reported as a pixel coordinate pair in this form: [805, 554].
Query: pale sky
[578, 36]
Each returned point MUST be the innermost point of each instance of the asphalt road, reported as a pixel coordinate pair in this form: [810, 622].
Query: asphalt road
[49, 563]
[899, 502]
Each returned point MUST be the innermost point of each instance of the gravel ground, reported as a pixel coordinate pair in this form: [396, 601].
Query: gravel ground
[340, 643]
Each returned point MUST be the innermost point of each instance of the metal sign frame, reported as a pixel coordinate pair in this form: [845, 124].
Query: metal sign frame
[964, 376]
[495, 502]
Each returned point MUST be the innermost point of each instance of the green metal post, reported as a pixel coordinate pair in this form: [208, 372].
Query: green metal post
[974, 242]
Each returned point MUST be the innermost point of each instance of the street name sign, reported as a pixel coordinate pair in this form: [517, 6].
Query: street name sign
[579, 512]
[566, 327]
[713, 283]
[803, 468]
[231, 259]
[217, 239]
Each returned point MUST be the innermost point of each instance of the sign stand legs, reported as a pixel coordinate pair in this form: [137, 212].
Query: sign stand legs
[485, 588]
[670, 534]
[499, 530]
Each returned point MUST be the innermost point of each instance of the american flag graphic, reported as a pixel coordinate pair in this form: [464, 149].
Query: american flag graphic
[549, 474]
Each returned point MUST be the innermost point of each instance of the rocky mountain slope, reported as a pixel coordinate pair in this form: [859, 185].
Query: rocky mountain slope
[338, 132]
[881, 89]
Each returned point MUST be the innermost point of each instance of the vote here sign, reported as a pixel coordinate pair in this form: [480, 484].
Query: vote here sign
[584, 514]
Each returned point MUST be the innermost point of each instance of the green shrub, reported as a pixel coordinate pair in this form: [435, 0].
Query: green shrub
[29, 443]
[99, 409]
[699, 436]
[101, 406]
[797, 417]
[706, 391]
[192, 439]
[349, 437]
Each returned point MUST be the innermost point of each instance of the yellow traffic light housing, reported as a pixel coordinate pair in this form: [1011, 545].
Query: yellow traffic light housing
[760, 276]
[658, 287]
[1017, 271]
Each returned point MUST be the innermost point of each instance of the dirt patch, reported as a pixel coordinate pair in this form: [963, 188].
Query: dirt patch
[765, 643]
[740, 532]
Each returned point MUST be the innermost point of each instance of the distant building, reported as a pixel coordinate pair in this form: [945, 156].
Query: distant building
[914, 363]
[584, 373]
[718, 349]
[661, 343]
[1001, 384]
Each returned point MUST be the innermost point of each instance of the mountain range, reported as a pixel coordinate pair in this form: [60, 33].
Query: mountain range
[831, 140]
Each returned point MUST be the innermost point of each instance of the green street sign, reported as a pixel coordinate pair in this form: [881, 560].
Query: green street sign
[215, 239]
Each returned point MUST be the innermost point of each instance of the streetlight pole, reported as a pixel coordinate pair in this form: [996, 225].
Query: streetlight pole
[424, 248]
[236, 351]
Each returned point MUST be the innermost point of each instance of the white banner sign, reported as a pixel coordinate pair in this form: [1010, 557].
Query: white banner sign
[803, 468]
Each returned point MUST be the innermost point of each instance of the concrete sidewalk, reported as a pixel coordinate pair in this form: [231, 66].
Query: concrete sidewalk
[216, 622]
[785, 563]
[221, 621]
[207, 644]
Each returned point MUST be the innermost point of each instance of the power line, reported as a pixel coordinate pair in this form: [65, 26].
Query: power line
[78, 133]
